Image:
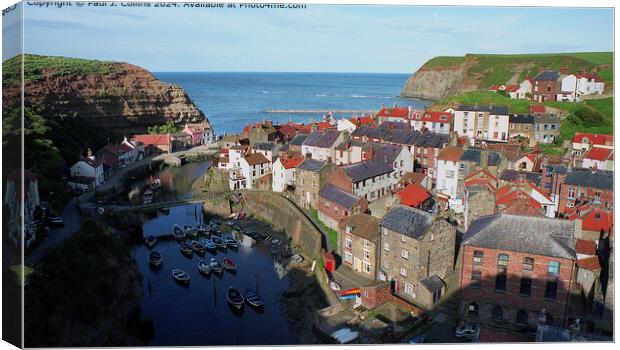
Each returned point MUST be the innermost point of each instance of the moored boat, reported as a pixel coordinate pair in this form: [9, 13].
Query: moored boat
[178, 233]
[220, 243]
[198, 247]
[155, 258]
[216, 267]
[234, 298]
[190, 230]
[209, 244]
[202, 229]
[150, 241]
[229, 264]
[186, 249]
[231, 242]
[252, 298]
[180, 276]
[204, 267]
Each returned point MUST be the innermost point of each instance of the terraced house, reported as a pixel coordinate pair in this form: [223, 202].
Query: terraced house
[417, 252]
[310, 176]
[359, 244]
[322, 145]
[482, 123]
[336, 205]
[583, 186]
[517, 271]
[370, 179]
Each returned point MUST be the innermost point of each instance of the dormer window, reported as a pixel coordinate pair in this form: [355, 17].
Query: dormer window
[597, 216]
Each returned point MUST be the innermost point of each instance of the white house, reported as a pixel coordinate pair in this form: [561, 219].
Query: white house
[322, 145]
[599, 157]
[267, 148]
[349, 152]
[583, 141]
[482, 123]
[573, 86]
[397, 157]
[345, 125]
[439, 122]
[235, 154]
[89, 168]
[525, 88]
[448, 163]
[254, 166]
[549, 205]
[370, 179]
[284, 173]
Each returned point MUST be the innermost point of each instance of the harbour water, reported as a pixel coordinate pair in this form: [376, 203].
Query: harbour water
[198, 314]
[231, 100]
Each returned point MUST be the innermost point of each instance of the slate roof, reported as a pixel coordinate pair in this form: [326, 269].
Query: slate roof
[548, 75]
[338, 196]
[312, 165]
[407, 221]
[323, 139]
[547, 119]
[495, 110]
[475, 154]
[521, 119]
[364, 225]
[264, 146]
[540, 236]
[298, 140]
[432, 283]
[512, 175]
[366, 170]
[602, 179]
[388, 153]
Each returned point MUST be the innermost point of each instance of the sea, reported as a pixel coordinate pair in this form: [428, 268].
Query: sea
[232, 100]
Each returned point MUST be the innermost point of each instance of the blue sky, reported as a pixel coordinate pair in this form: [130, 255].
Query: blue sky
[320, 38]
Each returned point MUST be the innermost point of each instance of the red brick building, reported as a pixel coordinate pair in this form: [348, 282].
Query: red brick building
[545, 86]
[515, 268]
[583, 186]
[336, 205]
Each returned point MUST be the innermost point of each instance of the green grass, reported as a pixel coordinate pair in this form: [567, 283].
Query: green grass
[444, 62]
[571, 124]
[483, 98]
[35, 66]
[332, 235]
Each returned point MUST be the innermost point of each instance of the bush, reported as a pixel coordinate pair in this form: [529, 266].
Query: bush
[588, 116]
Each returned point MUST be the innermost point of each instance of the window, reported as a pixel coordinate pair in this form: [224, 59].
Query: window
[366, 267]
[522, 317]
[476, 279]
[409, 288]
[449, 174]
[386, 246]
[500, 282]
[526, 286]
[366, 243]
[502, 262]
[403, 272]
[403, 238]
[348, 244]
[386, 264]
[348, 257]
[571, 192]
[554, 268]
[349, 230]
[478, 257]
[472, 309]
[551, 289]
[366, 254]
[528, 264]
[497, 313]
[404, 254]
[385, 231]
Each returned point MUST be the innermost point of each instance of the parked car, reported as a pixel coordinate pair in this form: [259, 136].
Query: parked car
[466, 331]
[55, 220]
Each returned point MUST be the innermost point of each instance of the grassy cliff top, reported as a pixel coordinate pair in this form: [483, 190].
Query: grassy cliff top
[492, 69]
[36, 65]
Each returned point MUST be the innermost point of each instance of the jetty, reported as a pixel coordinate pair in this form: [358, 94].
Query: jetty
[324, 111]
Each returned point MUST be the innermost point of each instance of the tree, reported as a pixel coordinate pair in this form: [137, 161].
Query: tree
[168, 128]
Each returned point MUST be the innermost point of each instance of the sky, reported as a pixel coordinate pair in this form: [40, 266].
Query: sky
[318, 38]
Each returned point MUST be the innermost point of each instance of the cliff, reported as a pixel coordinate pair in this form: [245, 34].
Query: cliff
[111, 95]
[446, 76]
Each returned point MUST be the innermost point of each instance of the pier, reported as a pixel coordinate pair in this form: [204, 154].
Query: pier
[324, 111]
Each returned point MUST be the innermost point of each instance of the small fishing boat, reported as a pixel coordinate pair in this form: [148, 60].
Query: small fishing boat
[155, 185]
[204, 267]
[231, 242]
[252, 298]
[209, 244]
[229, 264]
[202, 229]
[198, 247]
[234, 298]
[187, 249]
[216, 267]
[155, 258]
[334, 285]
[220, 243]
[180, 276]
[178, 233]
[150, 241]
[190, 230]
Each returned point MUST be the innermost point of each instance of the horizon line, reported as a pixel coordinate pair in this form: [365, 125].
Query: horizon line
[278, 72]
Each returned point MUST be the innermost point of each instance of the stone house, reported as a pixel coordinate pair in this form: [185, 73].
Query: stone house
[359, 240]
[522, 125]
[163, 143]
[370, 179]
[417, 252]
[515, 268]
[546, 86]
[310, 176]
[336, 205]
[546, 128]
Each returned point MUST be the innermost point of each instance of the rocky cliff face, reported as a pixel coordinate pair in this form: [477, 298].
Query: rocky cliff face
[436, 83]
[122, 97]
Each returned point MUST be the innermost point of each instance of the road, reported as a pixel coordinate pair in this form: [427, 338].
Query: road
[72, 222]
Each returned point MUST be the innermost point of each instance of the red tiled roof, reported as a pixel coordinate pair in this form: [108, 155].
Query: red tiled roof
[413, 195]
[594, 139]
[522, 208]
[537, 109]
[292, 162]
[109, 160]
[509, 198]
[512, 88]
[223, 160]
[591, 263]
[451, 153]
[397, 112]
[599, 153]
[324, 126]
[366, 120]
[149, 139]
[484, 172]
[583, 246]
[494, 87]
[597, 220]
[437, 117]
[595, 77]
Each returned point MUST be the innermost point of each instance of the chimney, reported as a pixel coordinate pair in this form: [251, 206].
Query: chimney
[484, 159]
[308, 155]
[564, 70]
[577, 228]
[89, 154]
[454, 138]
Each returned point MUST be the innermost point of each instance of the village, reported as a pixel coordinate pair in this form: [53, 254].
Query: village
[455, 212]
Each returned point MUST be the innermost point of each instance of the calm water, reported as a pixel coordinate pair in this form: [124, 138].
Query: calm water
[199, 314]
[176, 182]
[231, 100]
